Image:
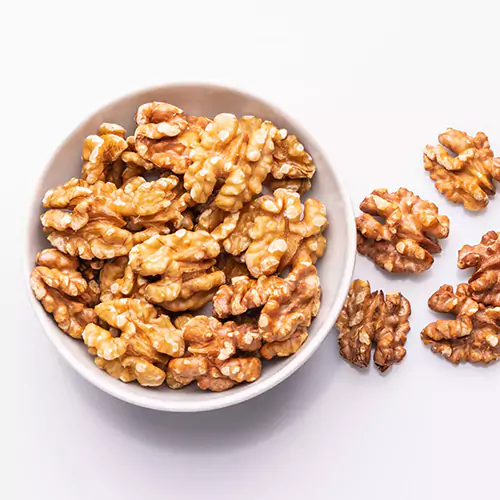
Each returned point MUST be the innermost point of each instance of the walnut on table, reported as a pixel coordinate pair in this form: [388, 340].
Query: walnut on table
[409, 236]
[485, 258]
[370, 318]
[472, 336]
[63, 291]
[210, 362]
[467, 174]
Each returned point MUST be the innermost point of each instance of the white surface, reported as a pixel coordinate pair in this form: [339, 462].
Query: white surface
[335, 268]
[374, 82]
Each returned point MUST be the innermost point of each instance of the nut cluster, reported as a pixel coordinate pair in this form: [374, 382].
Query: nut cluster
[165, 220]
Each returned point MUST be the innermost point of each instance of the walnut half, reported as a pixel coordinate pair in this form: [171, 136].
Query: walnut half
[368, 318]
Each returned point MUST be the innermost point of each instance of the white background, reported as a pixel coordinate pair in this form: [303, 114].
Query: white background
[374, 81]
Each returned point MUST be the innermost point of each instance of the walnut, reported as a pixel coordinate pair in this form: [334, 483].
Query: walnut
[300, 186]
[367, 317]
[211, 364]
[237, 153]
[484, 257]
[475, 333]
[117, 279]
[405, 242]
[148, 335]
[292, 304]
[467, 174]
[63, 291]
[174, 254]
[165, 136]
[243, 294]
[290, 158]
[285, 348]
[277, 235]
[99, 239]
[231, 266]
[131, 240]
[101, 151]
[130, 368]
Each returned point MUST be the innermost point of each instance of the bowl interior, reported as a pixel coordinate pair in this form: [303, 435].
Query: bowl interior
[335, 268]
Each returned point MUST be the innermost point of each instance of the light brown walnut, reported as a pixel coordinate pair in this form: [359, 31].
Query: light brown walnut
[473, 336]
[463, 167]
[370, 318]
[291, 160]
[148, 335]
[166, 137]
[231, 266]
[63, 291]
[130, 368]
[175, 254]
[409, 236]
[244, 293]
[101, 151]
[485, 258]
[117, 280]
[99, 239]
[300, 186]
[285, 348]
[211, 346]
[292, 305]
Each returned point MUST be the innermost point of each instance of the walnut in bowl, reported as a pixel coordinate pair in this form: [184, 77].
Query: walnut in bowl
[132, 254]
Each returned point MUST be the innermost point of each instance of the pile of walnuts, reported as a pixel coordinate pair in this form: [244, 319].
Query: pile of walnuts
[165, 221]
[400, 232]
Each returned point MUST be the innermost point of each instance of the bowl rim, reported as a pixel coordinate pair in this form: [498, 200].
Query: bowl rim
[228, 398]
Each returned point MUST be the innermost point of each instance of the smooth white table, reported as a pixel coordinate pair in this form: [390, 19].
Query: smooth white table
[375, 82]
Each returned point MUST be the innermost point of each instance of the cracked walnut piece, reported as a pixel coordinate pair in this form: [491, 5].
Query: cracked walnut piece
[409, 235]
[366, 318]
[485, 258]
[472, 336]
[467, 174]
[63, 291]
[211, 347]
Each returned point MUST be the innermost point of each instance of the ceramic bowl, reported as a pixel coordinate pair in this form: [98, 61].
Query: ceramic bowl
[335, 268]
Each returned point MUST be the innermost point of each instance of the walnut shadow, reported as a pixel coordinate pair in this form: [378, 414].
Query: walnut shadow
[243, 425]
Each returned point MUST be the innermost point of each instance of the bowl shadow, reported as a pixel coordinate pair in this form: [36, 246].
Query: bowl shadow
[242, 425]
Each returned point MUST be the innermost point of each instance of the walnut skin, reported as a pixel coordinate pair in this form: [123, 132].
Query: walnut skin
[473, 336]
[366, 318]
[468, 175]
[63, 291]
[410, 234]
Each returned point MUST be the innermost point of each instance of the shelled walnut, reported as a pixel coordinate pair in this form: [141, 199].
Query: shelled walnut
[63, 291]
[409, 235]
[211, 362]
[485, 258]
[370, 318]
[472, 336]
[168, 217]
[467, 174]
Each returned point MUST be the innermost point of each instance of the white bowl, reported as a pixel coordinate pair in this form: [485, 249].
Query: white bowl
[335, 268]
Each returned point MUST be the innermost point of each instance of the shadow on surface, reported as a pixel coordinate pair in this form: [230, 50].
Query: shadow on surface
[244, 425]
